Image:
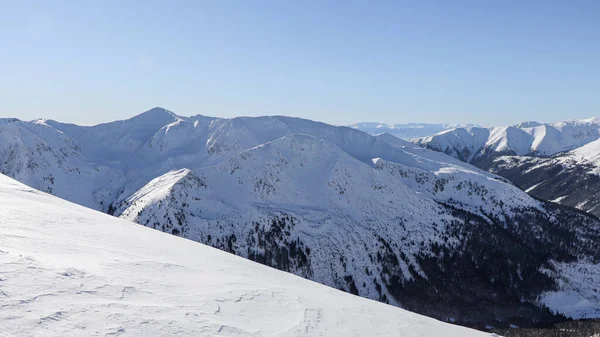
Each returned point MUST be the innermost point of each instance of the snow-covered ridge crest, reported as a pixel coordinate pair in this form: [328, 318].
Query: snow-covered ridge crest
[141, 282]
[528, 138]
[558, 161]
[406, 131]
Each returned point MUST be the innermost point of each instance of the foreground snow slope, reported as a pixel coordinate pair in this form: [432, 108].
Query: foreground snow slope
[69, 271]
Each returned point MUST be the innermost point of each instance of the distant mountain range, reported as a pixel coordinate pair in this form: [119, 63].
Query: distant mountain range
[375, 216]
[555, 161]
[406, 131]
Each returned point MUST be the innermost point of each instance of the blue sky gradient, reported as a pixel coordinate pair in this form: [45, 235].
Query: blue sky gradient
[487, 62]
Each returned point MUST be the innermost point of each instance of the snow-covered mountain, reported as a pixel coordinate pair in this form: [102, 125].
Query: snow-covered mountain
[375, 216]
[529, 138]
[571, 178]
[406, 131]
[66, 270]
[558, 162]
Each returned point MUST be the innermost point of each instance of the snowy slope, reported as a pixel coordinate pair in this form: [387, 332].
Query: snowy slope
[589, 153]
[375, 216]
[406, 131]
[69, 271]
[47, 159]
[570, 178]
[578, 284]
[529, 138]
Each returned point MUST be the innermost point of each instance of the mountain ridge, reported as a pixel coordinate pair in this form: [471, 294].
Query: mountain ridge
[405, 131]
[556, 161]
[529, 138]
[374, 216]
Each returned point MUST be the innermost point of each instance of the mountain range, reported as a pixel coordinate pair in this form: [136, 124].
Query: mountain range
[559, 162]
[406, 131]
[375, 216]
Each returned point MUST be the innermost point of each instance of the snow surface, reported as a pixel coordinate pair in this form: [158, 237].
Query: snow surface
[66, 270]
[589, 152]
[578, 295]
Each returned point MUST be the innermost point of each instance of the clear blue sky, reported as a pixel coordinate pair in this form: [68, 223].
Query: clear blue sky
[489, 62]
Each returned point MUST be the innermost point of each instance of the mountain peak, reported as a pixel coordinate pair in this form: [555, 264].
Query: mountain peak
[156, 113]
[528, 124]
[393, 140]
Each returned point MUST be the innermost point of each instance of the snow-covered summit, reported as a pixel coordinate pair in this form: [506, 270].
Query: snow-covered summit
[528, 124]
[395, 141]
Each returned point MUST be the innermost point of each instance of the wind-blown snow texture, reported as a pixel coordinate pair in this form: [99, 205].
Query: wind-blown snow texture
[559, 162]
[375, 216]
[70, 271]
[406, 131]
